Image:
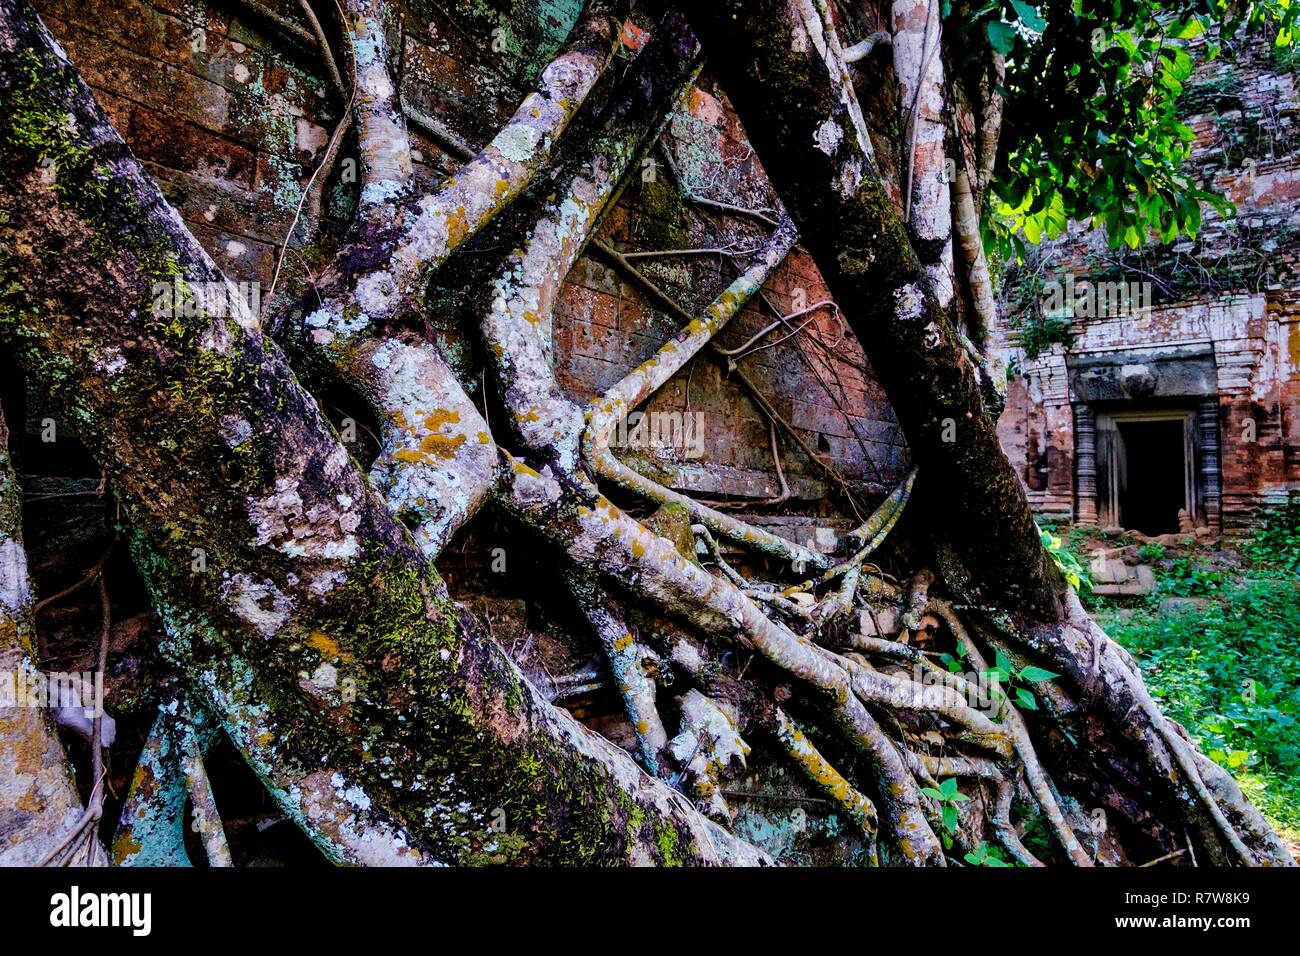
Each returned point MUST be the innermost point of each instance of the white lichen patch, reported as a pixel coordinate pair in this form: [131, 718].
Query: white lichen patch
[110, 361]
[15, 589]
[377, 294]
[327, 323]
[384, 191]
[235, 431]
[299, 529]
[259, 604]
[517, 142]
[327, 581]
[828, 136]
[323, 679]
[849, 179]
[909, 302]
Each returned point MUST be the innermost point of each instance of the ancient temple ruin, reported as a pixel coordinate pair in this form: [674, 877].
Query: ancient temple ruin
[1164, 382]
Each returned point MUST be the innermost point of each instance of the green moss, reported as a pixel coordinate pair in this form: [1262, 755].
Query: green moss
[669, 842]
[38, 121]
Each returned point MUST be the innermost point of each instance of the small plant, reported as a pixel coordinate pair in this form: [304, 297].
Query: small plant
[1151, 553]
[956, 663]
[1005, 674]
[985, 855]
[1066, 560]
[1277, 540]
[1036, 331]
[948, 797]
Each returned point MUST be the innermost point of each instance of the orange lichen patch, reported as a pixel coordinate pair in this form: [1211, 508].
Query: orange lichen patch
[27, 747]
[484, 438]
[457, 227]
[433, 445]
[502, 187]
[125, 846]
[325, 645]
[633, 37]
[532, 316]
[141, 779]
[704, 107]
[439, 417]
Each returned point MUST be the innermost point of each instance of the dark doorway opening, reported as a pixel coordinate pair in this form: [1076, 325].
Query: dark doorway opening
[1155, 489]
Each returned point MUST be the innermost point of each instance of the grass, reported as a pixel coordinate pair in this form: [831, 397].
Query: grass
[1227, 667]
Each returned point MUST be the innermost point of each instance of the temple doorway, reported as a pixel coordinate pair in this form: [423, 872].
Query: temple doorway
[1146, 469]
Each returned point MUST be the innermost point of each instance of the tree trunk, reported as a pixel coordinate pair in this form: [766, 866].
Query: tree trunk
[213, 447]
[788, 83]
[309, 624]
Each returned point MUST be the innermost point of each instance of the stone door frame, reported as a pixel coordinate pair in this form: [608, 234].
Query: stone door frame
[1097, 466]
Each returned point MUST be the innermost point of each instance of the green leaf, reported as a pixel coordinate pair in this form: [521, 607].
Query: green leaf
[949, 817]
[1185, 31]
[931, 792]
[1033, 229]
[1002, 37]
[948, 788]
[1026, 699]
[1028, 16]
[1036, 674]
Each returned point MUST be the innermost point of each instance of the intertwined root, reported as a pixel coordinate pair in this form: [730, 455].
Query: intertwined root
[900, 706]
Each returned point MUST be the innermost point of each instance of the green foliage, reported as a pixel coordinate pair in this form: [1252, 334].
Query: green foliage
[1039, 332]
[1036, 330]
[1277, 540]
[1187, 577]
[1229, 672]
[1151, 553]
[1101, 80]
[985, 855]
[948, 797]
[1066, 560]
[1004, 674]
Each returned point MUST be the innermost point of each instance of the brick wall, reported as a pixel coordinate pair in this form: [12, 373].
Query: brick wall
[232, 125]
